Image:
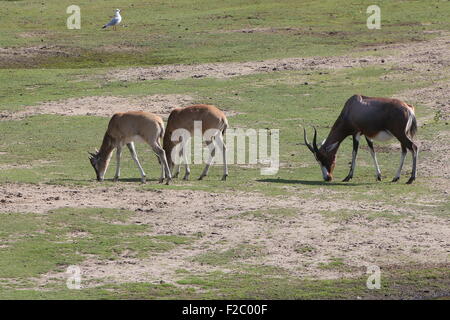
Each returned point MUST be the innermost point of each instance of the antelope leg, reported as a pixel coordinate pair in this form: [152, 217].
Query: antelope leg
[118, 154]
[136, 160]
[354, 153]
[374, 157]
[402, 160]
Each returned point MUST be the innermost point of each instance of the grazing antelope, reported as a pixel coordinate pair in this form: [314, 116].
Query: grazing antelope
[183, 118]
[126, 128]
[375, 118]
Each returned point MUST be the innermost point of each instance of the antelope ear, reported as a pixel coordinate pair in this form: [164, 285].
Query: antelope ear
[331, 146]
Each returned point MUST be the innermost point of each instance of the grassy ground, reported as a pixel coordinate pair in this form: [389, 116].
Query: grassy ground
[161, 32]
[44, 242]
[51, 149]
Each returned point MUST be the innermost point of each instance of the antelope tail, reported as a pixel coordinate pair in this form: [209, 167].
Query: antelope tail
[161, 131]
[411, 125]
[224, 127]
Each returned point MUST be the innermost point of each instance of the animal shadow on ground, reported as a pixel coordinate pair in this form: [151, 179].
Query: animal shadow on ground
[108, 180]
[312, 183]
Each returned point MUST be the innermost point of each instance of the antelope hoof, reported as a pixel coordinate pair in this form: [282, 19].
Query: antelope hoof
[224, 177]
[115, 179]
[186, 177]
[411, 180]
[348, 178]
[168, 181]
[175, 175]
[143, 180]
[161, 180]
[379, 178]
[395, 179]
[200, 178]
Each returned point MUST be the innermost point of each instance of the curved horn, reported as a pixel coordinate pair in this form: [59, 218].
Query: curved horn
[315, 140]
[306, 141]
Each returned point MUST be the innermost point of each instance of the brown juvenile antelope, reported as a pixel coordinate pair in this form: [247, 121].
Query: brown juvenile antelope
[375, 118]
[212, 119]
[125, 129]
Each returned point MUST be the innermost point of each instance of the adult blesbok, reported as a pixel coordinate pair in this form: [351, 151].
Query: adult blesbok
[124, 129]
[212, 121]
[377, 119]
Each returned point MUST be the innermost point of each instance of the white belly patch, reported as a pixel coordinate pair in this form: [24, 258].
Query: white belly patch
[383, 136]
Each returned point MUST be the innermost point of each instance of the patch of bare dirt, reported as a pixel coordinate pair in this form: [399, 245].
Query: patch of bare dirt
[121, 48]
[33, 164]
[262, 30]
[34, 34]
[437, 162]
[415, 56]
[436, 97]
[234, 69]
[218, 217]
[104, 106]
[437, 151]
[24, 56]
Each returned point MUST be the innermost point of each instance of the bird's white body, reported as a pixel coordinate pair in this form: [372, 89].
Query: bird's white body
[114, 21]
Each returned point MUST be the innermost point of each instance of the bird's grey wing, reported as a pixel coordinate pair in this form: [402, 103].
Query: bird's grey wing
[112, 22]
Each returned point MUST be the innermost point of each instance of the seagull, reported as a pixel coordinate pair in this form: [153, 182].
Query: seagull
[114, 21]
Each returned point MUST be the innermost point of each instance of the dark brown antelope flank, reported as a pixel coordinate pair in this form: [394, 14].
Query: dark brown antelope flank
[377, 119]
[212, 121]
[125, 129]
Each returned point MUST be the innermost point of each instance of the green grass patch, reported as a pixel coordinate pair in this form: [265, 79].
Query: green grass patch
[336, 264]
[39, 243]
[126, 291]
[229, 256]
[401, 283]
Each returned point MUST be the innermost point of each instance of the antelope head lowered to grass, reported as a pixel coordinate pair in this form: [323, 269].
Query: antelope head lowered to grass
[377, 119]
[211, 119]
[125, 129]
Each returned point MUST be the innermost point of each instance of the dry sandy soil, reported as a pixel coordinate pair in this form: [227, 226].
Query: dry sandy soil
[358, 239]
[418, 56]
[417, 61]
[104, 106]
[24, 56]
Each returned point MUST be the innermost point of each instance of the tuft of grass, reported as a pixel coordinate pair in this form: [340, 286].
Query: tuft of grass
[305, 249]
[334, 264]
[229, 256]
